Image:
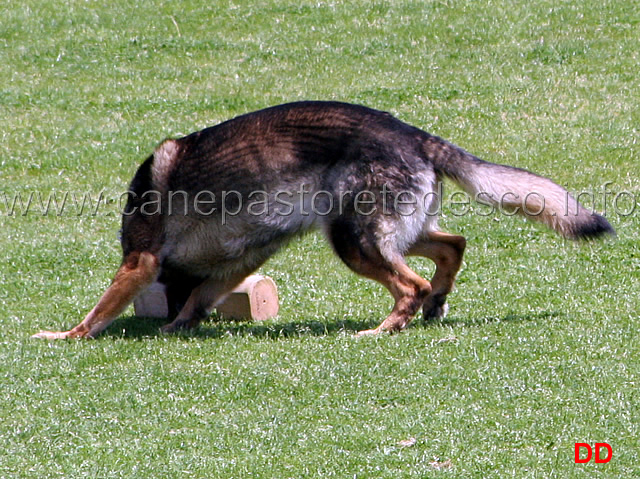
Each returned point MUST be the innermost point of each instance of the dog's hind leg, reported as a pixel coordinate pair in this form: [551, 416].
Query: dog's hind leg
[408, 289]
[446, 251]
[202, 300]
[138, 270]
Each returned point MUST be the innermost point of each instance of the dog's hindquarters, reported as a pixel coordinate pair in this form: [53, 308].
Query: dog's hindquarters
[387, 204]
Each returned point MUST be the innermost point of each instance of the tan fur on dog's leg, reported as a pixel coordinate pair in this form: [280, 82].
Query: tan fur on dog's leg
[409, 291]
[364, 257]
[446, 251]
[137, 272]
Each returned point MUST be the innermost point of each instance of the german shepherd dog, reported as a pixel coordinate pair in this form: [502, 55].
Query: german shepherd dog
[205, 211]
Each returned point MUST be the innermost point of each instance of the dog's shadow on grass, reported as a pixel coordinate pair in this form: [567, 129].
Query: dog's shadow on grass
[133, 327]
[507, 318]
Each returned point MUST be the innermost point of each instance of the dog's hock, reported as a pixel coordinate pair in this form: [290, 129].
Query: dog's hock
[256, 298]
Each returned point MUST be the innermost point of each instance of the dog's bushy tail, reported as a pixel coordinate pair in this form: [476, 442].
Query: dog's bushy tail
[516, 190]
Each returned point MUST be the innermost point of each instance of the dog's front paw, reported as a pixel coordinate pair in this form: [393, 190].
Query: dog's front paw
[179, 325]
[368, 332]
[435, 307]
[53, 335]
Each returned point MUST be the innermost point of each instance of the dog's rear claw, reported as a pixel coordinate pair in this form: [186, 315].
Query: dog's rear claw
[437, 309]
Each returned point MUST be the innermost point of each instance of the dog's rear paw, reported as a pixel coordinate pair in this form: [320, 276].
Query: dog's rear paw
[435, 307]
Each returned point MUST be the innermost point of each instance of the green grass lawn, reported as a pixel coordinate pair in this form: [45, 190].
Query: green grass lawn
[541, 346]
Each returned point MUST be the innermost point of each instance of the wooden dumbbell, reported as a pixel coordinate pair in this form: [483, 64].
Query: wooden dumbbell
[256, 298]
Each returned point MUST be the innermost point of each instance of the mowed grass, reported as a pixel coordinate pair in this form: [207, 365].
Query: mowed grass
[540, 349]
